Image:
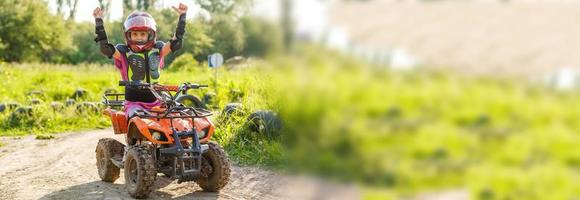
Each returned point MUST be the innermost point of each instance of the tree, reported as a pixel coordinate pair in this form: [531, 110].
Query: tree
[224, 26]
[287, 24]
[143, 5]
[59, 5]
[30, 33]
[127, 7]
[224, 7]
[85, 49]
[72, 5]
[227, 35]
[256, 43]
[2, 48]
[105, 4]
[196, 41]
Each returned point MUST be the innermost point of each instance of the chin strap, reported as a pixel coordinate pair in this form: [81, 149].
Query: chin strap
[176, 43]
[106, 48]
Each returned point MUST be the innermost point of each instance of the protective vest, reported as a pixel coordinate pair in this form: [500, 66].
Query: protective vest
[144, 66]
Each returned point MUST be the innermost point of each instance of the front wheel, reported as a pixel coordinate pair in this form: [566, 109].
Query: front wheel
[108, 148]
[140, 172]
[190, 101]
[218, 161]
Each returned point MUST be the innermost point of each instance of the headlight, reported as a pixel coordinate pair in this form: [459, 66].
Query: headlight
[156, 135]
[201, 134]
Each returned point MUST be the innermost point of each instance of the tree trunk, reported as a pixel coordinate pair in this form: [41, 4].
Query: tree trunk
[59, 4]
[287, 25]
[72, 8]
[106, 5]
[127, 7]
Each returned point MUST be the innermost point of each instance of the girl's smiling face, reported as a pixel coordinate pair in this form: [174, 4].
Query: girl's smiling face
[139, 36]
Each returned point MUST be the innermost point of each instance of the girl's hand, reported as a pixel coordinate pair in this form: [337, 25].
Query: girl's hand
[98, 13]
[182, 9]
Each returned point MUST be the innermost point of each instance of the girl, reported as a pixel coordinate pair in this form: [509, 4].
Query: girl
[141, 57]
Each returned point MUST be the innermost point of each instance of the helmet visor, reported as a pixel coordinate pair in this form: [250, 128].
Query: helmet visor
[140, 23]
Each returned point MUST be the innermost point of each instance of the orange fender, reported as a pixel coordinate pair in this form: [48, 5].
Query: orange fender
[118, 120]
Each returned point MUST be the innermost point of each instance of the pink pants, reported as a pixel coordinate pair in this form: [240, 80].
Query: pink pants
[132, 106]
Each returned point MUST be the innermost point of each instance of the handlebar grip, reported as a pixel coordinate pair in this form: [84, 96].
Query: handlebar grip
[203, 86]
[123, 83]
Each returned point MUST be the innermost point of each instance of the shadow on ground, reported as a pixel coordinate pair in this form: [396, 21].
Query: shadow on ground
[110, 191]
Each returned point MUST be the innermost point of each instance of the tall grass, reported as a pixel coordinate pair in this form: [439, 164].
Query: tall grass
[410, 131]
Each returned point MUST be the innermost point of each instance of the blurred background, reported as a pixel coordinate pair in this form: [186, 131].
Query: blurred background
[405, 99]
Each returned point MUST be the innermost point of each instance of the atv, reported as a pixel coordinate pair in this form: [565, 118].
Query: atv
[171, 139]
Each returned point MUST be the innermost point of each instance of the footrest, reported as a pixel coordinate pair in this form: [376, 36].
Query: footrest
[191, 171]
[118, 162]
[197, 151]
[187, 177]
[174, 151]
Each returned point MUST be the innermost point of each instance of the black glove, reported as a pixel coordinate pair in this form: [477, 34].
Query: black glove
[175, 44]
[180, 30]
[106, 48]
[100, 30]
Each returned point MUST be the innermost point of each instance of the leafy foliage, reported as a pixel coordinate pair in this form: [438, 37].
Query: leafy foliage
[28, 32]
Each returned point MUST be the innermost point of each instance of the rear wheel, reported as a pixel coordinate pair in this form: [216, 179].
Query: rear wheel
[108, 148]
[219, 176]
[140, 172]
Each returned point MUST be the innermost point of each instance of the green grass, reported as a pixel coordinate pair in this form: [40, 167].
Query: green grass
[50, 83]
[404, 132]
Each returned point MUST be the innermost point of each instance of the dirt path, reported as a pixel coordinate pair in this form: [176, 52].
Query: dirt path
[64, 168]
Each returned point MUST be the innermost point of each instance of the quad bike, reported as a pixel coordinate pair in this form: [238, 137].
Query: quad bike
[171, 139]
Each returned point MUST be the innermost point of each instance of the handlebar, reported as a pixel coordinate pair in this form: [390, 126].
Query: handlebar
[195, 86]
[161, 92]
[174, 88]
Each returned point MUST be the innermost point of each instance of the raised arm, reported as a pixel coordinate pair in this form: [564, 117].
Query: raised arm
[176, 42]
[107, 48]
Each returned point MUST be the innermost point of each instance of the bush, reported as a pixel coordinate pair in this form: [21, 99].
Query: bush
[183, 62]
[85, 49]
[30, 33]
